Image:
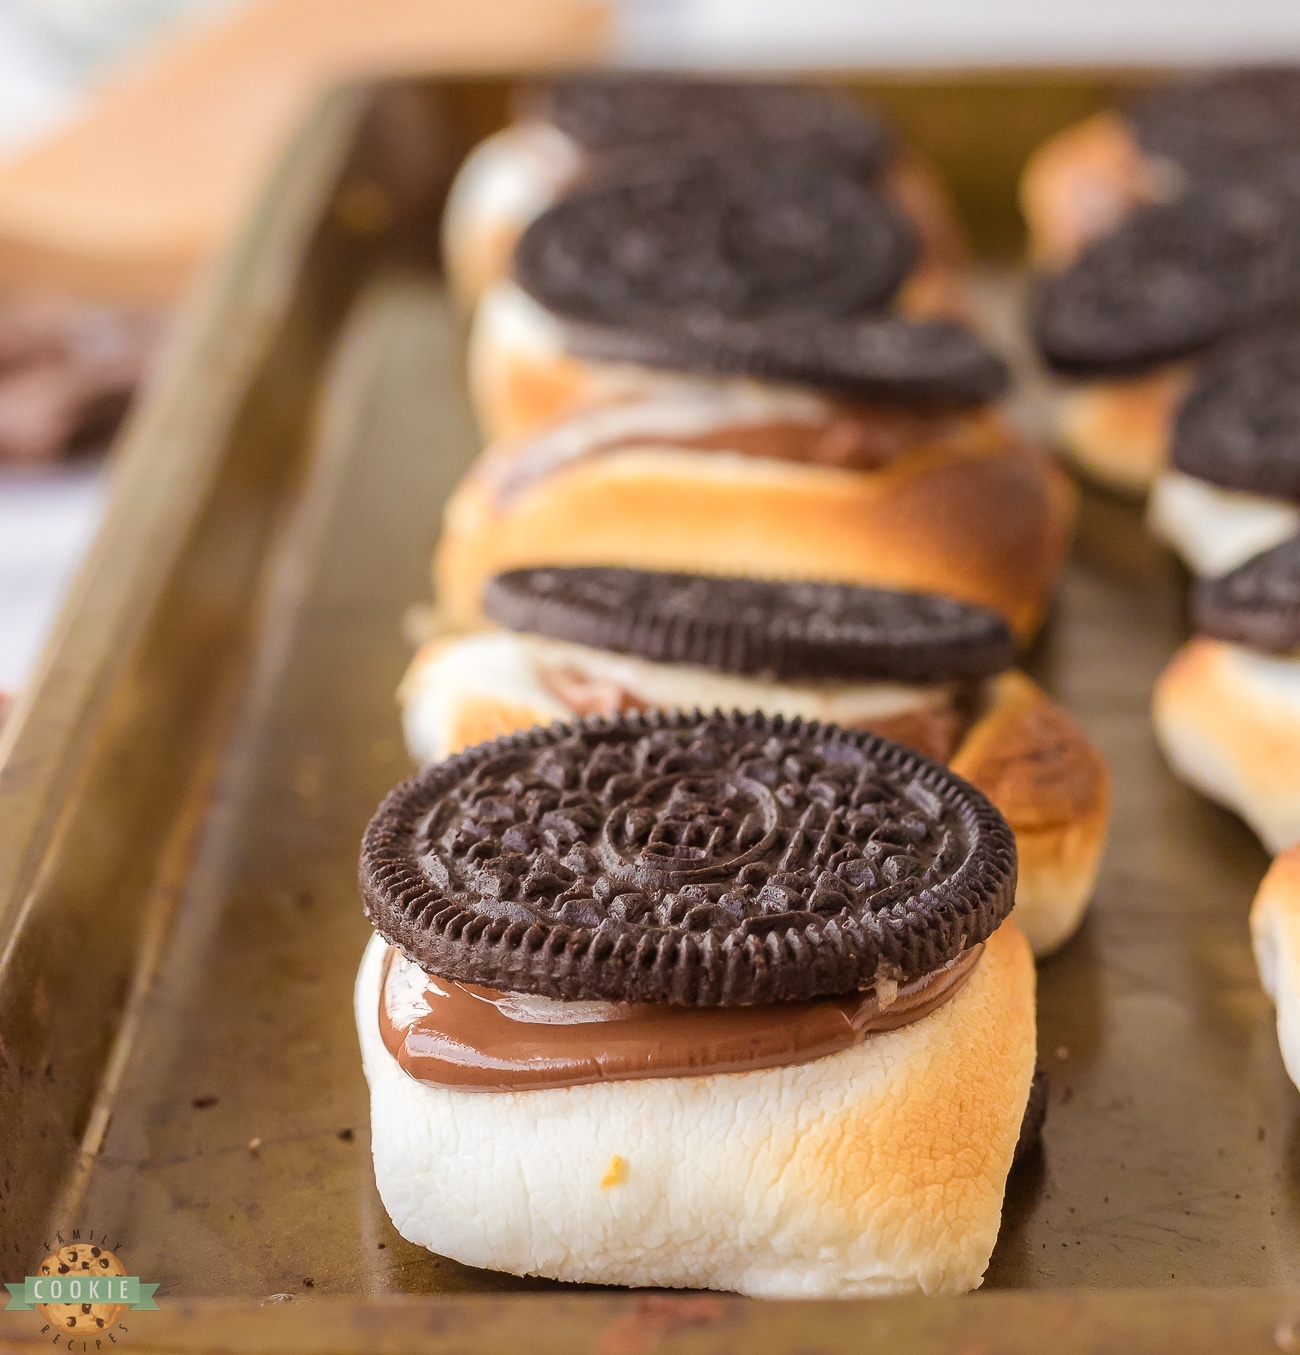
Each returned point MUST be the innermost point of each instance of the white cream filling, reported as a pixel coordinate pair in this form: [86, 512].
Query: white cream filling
[1213, 529]
[512, 668]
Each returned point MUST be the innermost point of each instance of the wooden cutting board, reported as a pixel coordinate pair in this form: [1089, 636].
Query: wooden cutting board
[128, 201]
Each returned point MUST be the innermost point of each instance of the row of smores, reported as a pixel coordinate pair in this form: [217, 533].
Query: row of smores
[1167, 235]
[700, 949]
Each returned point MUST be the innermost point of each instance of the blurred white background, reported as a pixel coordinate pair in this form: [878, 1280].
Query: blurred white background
[959, 32]
[51, 52]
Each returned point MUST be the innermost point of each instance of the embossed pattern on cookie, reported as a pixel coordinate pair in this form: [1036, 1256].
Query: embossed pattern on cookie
[761, 234]
[1174, 277]
[780, 628]
[702, 860]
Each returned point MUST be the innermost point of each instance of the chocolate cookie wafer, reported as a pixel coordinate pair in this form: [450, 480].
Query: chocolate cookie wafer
[756, 235]
[765, 264]
[784, 629]
[1228, 124]
[704, 861]
[1173, 278]
[1232, 489]
[1257, 604]
[1236, 126]
[582, 126]
[614, 112]
[1165, 227]
[1239, 426]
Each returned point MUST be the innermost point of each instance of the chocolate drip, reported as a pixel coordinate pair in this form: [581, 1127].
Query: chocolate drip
[463, 1036]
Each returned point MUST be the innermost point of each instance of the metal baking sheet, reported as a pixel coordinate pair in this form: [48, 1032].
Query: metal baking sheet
[183, 791]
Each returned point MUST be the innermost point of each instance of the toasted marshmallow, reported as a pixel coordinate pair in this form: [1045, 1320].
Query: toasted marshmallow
[1228, 719]
[877, 1170]
[1275, 938]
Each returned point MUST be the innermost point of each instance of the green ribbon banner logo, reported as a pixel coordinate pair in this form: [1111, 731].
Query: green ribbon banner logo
[81, 1289]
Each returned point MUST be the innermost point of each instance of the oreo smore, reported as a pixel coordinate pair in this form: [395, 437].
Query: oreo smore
[929, 671]
[710, 1001]
[776, 265]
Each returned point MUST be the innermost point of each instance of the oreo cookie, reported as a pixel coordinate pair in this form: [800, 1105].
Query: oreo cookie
[1239, 425]
[1257, 604]
[610, 112]
[755, 235]
[788, 630]
[716, 860]
[1232, 124]
[879, 357]
[1173, 278]
[761, 263]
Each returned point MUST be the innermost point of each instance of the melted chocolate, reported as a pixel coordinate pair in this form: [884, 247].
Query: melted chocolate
[460, 1035]
[935, 731]
[853, 436]
[861, 438]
